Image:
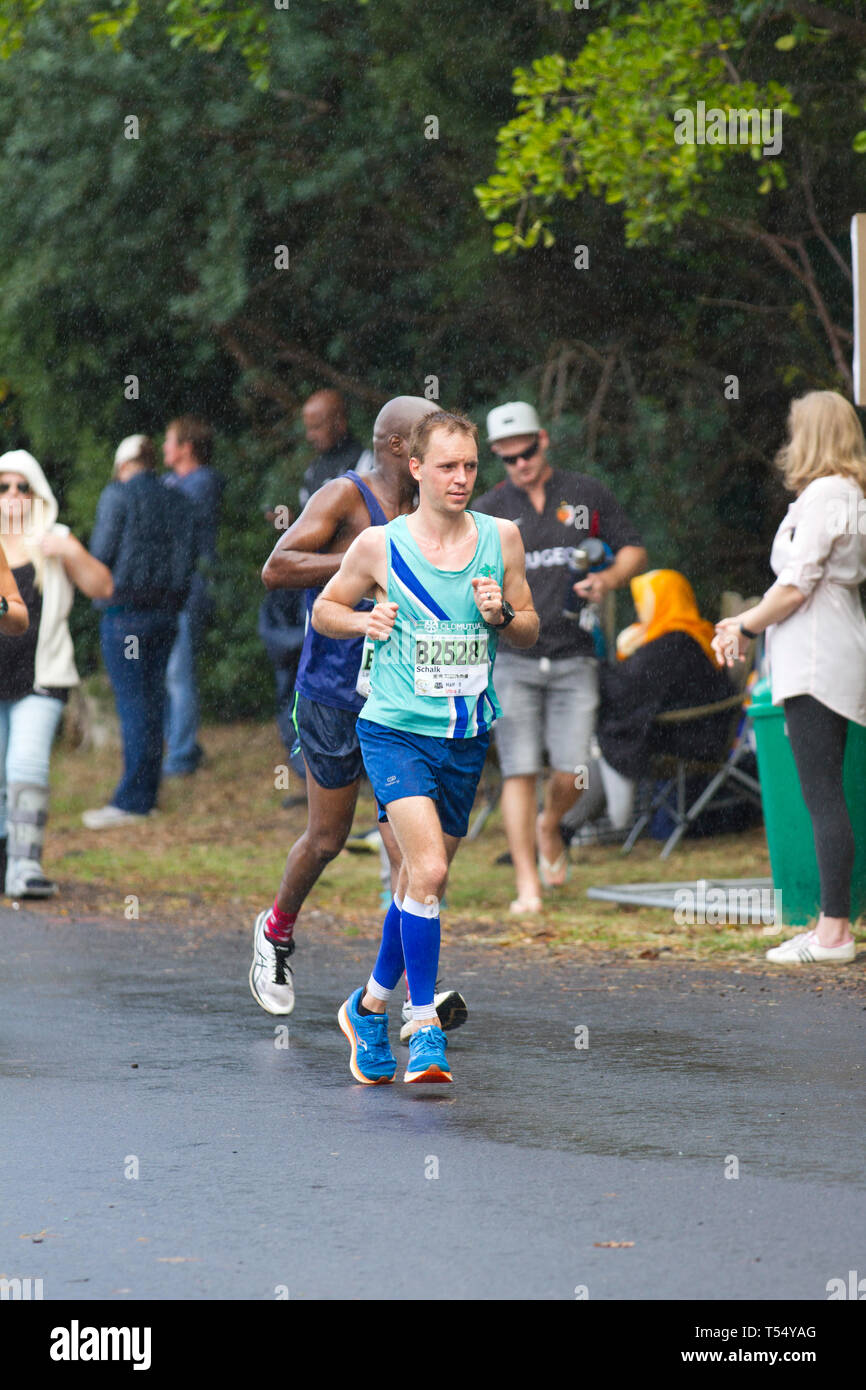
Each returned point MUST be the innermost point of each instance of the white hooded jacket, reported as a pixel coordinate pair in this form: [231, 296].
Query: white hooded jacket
[55, 658]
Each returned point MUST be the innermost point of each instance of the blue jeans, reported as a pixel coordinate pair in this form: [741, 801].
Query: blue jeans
[136, 669]
[27, 729]
[181, 711]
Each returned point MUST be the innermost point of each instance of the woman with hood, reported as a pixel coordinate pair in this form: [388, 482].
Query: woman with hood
[665, 661]
[37, 668]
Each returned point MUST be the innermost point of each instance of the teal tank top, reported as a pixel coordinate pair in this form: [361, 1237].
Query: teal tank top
[434, 675]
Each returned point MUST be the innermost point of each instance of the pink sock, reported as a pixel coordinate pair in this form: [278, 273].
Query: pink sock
[280, 925]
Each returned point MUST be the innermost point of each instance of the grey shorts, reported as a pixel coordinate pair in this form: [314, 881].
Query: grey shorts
[545, 705]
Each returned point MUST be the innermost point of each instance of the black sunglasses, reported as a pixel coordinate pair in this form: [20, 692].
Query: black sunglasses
[23, 488]
[509, 459]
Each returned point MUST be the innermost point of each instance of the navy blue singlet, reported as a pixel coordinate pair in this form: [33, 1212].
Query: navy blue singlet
[328, 668]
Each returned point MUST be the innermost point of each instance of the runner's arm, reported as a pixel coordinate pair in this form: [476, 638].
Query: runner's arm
[294, 562]
[362, 570]
[522, 631]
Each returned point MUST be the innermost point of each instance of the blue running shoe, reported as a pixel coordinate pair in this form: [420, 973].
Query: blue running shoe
[427, 1060]
[371, 1060]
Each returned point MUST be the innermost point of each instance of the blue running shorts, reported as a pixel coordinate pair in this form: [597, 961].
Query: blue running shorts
[447, 770]
[328, 742]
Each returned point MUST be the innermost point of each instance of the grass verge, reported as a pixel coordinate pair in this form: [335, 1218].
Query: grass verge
[213, 855]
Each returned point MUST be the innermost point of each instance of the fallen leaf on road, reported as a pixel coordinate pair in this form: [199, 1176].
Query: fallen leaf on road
[613, 1244]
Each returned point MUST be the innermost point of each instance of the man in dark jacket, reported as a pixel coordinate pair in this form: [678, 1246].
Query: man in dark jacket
[147, 539]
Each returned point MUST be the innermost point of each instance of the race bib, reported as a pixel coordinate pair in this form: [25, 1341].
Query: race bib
[362, 684]
[450, 659]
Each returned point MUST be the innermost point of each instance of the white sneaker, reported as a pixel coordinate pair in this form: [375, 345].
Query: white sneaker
[806, 949]
[449, 1005]
[270, 973]
[25, 879]
[104, 817]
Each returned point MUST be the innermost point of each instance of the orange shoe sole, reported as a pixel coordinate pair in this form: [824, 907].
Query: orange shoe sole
[433, 1073]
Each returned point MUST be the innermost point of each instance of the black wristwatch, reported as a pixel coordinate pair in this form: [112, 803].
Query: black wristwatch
[752, 636]
[4, 606]
[507, 616]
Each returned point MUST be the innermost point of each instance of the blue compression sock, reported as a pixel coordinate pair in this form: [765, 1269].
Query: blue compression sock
[421, 931]
[389, 962]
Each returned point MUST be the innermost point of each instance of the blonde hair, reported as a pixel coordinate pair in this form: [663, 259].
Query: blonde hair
[825, 439]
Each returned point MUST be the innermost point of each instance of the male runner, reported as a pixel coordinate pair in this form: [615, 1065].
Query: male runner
[447, 583]
[327, 704]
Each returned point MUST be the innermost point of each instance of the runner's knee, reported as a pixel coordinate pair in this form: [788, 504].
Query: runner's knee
[427, 878]
[324, 844]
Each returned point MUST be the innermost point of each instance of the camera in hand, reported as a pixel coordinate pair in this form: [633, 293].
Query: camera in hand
[592, 554]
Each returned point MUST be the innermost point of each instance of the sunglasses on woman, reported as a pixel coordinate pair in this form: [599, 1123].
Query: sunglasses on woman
[23, 488]
[528, 453]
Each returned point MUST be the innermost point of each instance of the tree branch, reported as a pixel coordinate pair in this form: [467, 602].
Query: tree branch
[302, 357]
[802, 270]
[743, 304]
[823, 18]
[264, 384]
[593, 416]
[817, 227]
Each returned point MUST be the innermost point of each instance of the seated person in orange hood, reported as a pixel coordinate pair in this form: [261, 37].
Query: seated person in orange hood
[665, 662]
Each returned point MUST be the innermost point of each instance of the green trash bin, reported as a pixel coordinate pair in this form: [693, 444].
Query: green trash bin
[787, 822]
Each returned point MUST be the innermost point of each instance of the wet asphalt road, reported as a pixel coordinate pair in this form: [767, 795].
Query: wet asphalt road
[265, 1169]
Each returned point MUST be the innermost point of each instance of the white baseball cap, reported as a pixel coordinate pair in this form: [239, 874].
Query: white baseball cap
[129, 449]
[507, 421]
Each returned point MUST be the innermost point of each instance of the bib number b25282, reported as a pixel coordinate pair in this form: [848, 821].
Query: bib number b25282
[451, 661]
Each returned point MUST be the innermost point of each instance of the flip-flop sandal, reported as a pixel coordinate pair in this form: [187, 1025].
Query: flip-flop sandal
[549, 873]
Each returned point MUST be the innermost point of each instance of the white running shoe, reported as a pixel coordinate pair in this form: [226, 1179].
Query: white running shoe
[270, 973]
[26, 879]
[449, 1005]
[806, 949]
[105, 817]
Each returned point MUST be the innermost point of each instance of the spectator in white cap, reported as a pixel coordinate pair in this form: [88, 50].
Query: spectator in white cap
[38, 668]
[549, 693]
[132, 450]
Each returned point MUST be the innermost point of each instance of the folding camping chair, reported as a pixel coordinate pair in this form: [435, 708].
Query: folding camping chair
[672, 794]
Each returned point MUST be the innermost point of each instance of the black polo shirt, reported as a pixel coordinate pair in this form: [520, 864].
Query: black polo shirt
[575, 506]
[333, 463]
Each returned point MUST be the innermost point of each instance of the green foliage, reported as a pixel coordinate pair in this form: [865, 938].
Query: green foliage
[604, 123]
[206, 24]
[154, 256]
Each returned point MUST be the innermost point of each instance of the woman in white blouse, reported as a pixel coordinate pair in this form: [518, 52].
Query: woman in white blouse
[816, 635]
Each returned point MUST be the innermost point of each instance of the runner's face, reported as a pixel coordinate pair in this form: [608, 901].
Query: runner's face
[447, 475]
[524, 473]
